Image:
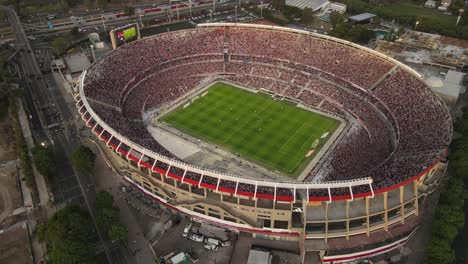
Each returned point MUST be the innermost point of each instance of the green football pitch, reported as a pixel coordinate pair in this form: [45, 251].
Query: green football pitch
[270, 132]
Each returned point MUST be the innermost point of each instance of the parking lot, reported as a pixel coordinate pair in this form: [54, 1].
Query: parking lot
[173, 241]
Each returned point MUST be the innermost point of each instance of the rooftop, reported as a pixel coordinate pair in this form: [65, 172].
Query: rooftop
[362, 17]
[312, 4]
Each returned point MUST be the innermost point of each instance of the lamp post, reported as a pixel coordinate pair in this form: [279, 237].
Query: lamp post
[139, 14]
[190, 7]
[103, 23]
[261, 9]
[236, 11]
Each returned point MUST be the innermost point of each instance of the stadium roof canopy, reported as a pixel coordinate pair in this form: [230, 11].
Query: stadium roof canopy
[312, 4]
[361, 17]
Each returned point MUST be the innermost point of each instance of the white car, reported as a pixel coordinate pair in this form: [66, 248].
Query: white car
[187, 229]
[226, 243]
[196, 238]
[211, 247]
[212, 241]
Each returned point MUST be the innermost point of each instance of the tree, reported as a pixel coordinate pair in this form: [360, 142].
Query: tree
[439, 252]
[456, 5]
[89, 4]
[59, 44]
[83, 160]
[102, 3]
[107, 216]
[104, 200]
[44, 160]
[129, 10]
[278, 5]
[307, 16]
[336, 18]
[66, 236]
[118, 232]
[75, 31]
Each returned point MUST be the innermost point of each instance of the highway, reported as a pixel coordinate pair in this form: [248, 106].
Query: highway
[48, 108]
[63, 25]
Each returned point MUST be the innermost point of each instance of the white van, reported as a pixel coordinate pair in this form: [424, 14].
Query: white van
[187, 229]
[211, 247]
[212, 241]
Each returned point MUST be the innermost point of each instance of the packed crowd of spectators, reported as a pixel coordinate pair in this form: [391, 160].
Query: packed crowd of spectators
[148, 74]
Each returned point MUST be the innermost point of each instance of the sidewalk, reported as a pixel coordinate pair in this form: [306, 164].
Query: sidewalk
[36, 247]
[39, 179]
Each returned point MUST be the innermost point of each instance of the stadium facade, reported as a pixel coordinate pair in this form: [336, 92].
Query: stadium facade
[339, 218]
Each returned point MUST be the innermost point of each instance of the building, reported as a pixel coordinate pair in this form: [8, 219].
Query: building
[77, 62]
[450, 88]
[339, 220]
[315, 5]
[337, 7]
[362, 18]
[259, 257]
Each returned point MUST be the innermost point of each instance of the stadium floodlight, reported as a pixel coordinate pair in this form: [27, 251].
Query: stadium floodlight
[190, 7]
[261, 9]
[236, 11]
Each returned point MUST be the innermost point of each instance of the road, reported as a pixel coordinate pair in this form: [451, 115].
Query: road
[53, 124]
[41, 30]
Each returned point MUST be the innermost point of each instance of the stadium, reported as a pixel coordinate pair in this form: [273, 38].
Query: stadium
[278, 133]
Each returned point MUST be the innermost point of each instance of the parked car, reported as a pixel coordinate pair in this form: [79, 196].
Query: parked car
[212, 241]
[226, 243]
[187, 229]
[197, 238]
[211, 247]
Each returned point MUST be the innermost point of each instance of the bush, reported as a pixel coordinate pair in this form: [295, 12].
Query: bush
[66, 236]
[21, 146]
[449, 217]
[44, 160]
[83, 159]
[108, 217]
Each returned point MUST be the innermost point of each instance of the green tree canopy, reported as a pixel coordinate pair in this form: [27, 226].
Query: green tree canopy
[336, 18]
[307, 16]
[278, 5]
[59, 44]
[102, 3]
[129, 10]
[66, 236]
[83, 160]
[118, 231]
[104, 200]
[357, 33]
[44, 160]
[108, 217]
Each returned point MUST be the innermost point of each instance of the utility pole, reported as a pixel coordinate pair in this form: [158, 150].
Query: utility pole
[103, 23]
[236, 11]
[190, 6]
[261, 9]
[139, 14]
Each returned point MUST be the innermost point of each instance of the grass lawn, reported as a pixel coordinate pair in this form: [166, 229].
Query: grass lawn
[410, 9]
[273, 133]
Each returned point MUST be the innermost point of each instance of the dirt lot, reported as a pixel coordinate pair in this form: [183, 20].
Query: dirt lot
[14, 246]
[453, 41]
[10, 197]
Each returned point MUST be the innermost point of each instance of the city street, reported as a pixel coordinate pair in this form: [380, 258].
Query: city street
[51, 119]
